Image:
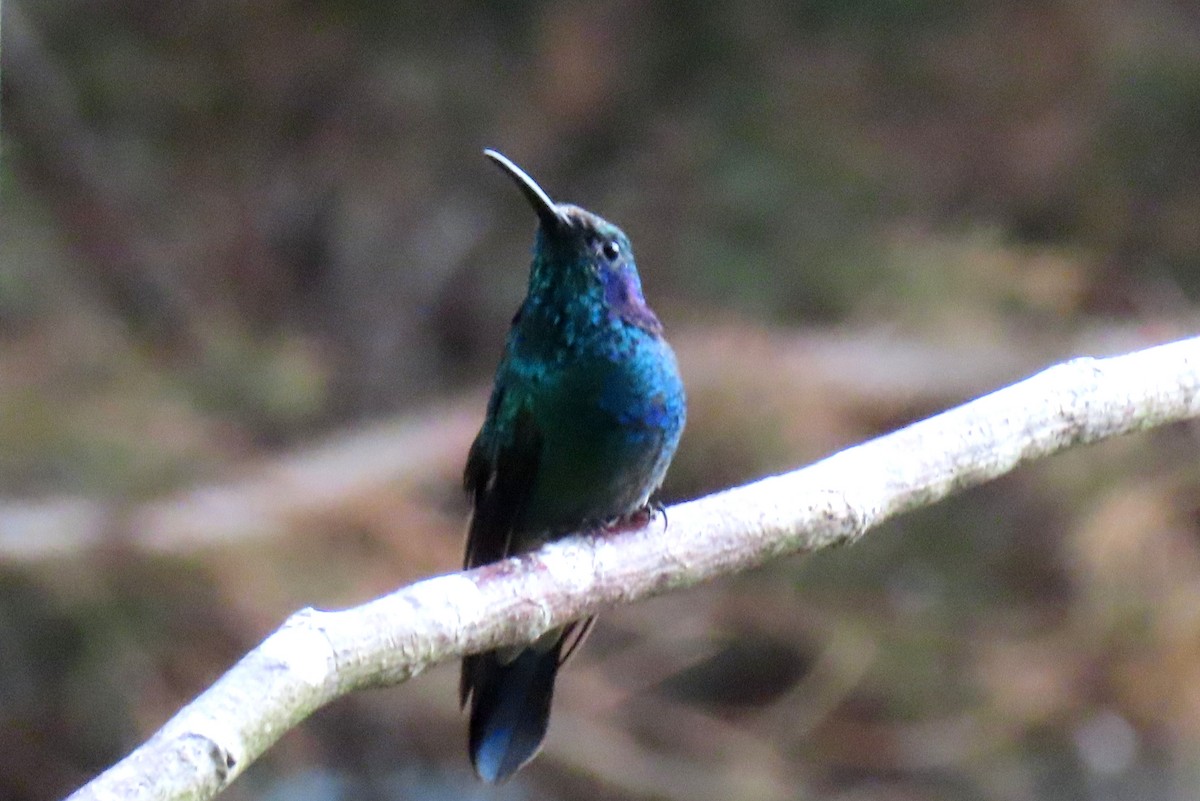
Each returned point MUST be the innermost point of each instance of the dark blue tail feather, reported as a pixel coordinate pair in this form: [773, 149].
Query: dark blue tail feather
[510, 709]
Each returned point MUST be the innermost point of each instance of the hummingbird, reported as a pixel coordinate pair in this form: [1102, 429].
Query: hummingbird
[585, 414]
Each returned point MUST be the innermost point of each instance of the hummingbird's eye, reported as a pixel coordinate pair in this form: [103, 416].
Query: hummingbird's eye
[611, 250]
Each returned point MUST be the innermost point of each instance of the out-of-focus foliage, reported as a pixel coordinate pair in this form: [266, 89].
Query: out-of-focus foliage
[236, 235]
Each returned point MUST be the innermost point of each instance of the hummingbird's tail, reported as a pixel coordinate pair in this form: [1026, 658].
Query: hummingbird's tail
[510, 705]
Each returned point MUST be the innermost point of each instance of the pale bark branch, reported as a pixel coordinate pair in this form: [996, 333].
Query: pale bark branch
[318, 656]
[273, 496]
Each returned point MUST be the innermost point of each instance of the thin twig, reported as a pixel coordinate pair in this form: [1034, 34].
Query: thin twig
[318, 656]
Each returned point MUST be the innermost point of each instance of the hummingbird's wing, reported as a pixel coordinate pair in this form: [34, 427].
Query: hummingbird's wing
[501, 469]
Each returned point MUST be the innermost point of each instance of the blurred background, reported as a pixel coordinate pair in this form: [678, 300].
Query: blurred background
[255, 275]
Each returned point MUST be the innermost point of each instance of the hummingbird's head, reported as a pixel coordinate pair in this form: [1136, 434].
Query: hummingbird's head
[580, 256]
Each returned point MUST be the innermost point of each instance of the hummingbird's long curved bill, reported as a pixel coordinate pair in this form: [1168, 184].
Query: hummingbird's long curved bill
[547, 211]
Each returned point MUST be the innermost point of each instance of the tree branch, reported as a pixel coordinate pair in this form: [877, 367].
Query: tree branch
[318, 656]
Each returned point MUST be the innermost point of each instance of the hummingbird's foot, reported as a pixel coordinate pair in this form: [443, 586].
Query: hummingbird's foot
[637, 519]
[657, 508]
